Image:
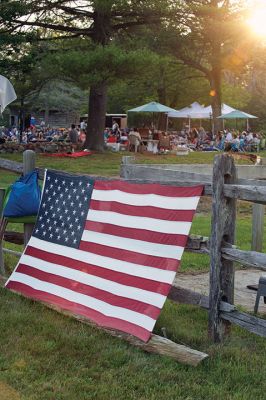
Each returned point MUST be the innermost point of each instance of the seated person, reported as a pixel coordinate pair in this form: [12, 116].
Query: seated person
[235, 142]
[249, 138]
[228, 137]
[220, 141]
[256, 139]
[135, 132]
[106, 135]
[111, 139]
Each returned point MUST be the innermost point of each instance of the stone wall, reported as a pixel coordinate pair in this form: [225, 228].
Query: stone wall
[39, 147]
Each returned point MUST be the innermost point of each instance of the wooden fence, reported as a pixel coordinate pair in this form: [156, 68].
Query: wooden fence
[225, 189]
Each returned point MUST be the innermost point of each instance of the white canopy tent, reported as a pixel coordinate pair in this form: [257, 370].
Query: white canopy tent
[225, 110]
[7, 93]
[196, 111]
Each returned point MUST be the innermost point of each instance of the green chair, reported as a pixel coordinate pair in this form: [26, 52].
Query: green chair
[31, 219]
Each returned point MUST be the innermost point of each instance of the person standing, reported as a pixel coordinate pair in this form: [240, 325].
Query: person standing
[73, 137]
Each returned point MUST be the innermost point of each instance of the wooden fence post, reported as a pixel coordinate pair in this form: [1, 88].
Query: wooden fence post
[28, 166]
[223, 230]
[2, 263]
[257, 226]
[126, 160]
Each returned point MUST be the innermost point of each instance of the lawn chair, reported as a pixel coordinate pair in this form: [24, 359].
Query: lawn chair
[164, 141]
[261, 292]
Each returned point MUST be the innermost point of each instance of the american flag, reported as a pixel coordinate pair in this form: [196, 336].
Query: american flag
[106, 250]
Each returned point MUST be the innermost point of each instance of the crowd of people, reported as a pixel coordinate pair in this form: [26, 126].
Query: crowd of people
[224, 140]
[196, 139]
[33, 134]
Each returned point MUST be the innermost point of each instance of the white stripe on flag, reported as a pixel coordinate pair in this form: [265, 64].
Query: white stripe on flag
[138, 246]
[141, 271]
[118, 289]
[87, 301]
[154, 200]
[129, 221]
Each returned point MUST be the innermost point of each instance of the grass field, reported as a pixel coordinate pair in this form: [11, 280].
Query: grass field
[46, 356]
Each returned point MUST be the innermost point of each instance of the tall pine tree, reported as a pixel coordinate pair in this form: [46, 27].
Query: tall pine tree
[98, 21]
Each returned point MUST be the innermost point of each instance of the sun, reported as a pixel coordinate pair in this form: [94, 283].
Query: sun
[257, 20]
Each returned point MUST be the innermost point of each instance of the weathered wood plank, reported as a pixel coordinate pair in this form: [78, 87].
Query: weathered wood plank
[249, 322]
[258, 211]
[256, 194]
[197, 244]
[251, 259]
[228, 312]
[223, 229]
[14, 237]
[186, 296]
[12, 166]
[142, 174]
[251, 182]
[12, 252]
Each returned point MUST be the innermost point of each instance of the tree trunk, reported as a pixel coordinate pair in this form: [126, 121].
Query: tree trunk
[216, 68]
[161, 90]
[98, 92]
[46, 113]
[21, 119]
[216, 104]
[96, 117]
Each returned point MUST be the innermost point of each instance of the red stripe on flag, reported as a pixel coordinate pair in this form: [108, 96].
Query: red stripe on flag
[169, 264]
[107, 297]
[119, 277]
[151, 188]
[77, 309]
[138, 234]
[143, 211]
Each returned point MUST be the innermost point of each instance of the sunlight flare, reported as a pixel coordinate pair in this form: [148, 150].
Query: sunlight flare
[257, 20]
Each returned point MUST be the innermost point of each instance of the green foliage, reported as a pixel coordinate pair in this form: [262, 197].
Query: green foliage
[144, 50]
[58, 95]
[93, 64]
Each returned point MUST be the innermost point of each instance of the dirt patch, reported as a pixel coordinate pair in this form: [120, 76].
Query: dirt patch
[8, 393]
[243, 297]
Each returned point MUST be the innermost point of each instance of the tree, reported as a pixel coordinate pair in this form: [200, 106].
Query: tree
[99, 21]
[255, 83]
[210, 38]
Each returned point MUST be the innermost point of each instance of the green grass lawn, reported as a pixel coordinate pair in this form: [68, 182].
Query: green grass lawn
[108, 164]
[47, 356]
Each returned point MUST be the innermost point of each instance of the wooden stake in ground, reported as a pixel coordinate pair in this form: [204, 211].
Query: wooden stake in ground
[156, 344]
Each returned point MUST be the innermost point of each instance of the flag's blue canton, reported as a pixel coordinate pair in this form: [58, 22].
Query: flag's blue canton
[63, 210]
